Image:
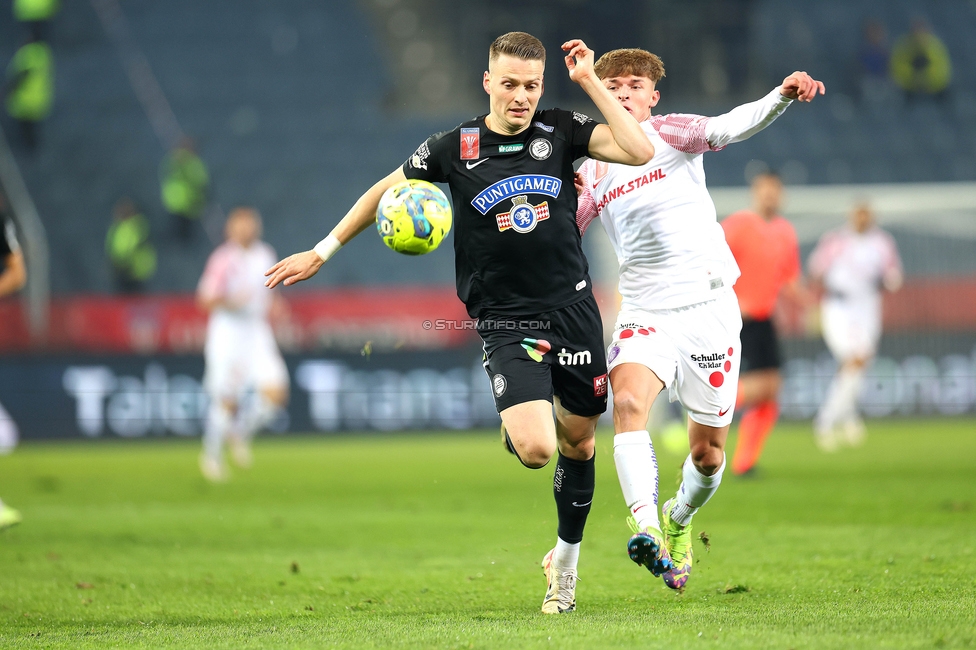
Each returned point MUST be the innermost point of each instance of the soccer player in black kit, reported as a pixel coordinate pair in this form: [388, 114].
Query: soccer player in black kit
[520, 266]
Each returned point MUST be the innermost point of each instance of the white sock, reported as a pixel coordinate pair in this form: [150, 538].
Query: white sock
[841, 402]
[696, 489]
[218, 423]
[633, 454]
[566, 556]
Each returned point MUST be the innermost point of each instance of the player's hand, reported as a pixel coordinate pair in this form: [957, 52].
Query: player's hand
[294, 268]
[579, 183]
[802, 87]
[579, 60]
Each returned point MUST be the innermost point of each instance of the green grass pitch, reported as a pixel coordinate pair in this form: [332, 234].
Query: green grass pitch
[434, 540]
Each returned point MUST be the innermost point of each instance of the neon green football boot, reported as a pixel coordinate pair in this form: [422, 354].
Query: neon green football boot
[8, 516]
[647, 548]
[678, 541]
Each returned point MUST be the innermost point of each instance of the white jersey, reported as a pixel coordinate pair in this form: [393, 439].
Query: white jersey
[855, 266]
[236, 274]
[660, 218]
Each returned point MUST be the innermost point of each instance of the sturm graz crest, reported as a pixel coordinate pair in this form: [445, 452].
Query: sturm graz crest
[523, 217]
[540, 148]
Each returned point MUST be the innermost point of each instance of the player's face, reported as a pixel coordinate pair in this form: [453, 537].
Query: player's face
[767, 194]
[514, 87]
[861, 219]
[243, 228]
[636, 94]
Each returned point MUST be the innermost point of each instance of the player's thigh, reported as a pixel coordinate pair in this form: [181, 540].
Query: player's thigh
[579, 363]
[516, 377]
[225, 370]
[710, 356]
[531, 429]
[849, 333]
[267, 370]
[643, 360]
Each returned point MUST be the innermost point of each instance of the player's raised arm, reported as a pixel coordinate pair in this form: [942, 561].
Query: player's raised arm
[745, 121]
[302, 266]
[621, 139]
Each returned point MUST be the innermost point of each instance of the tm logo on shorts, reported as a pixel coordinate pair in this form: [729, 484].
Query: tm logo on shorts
[582, 358]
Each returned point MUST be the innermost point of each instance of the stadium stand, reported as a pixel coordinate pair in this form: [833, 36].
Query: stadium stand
[296, 111]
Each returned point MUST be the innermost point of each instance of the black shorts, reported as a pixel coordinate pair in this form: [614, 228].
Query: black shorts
[557, 353]
[760, 346]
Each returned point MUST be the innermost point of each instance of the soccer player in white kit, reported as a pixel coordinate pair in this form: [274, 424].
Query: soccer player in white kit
[852, 264]
[241, 353]
[13, 277]
[678, 326]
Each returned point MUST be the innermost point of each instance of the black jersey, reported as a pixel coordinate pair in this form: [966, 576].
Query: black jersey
[516, 244]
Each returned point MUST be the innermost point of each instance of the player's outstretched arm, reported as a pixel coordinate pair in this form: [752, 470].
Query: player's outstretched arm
[621, 140]
[302, 266]
[745, 121]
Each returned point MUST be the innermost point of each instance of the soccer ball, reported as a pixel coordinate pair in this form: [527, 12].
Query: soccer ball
[413, 217]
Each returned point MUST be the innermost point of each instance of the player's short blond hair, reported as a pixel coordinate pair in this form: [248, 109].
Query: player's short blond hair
[630, 61]
[518, 44]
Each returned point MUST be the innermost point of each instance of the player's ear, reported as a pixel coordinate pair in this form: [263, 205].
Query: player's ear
[655, 97]
[486, 82]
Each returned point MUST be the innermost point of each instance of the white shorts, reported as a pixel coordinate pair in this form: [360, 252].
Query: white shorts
[850, 330]
[240, 356]
[694, 350]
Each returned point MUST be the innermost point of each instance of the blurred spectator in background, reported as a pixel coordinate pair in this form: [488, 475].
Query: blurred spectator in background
[920, 63]
[30, 87]
[872, 59]
[767, 251]
[36, 14]
[129, 248]
[13, 276]
[184, 185]
[852, 265]
[241, 354]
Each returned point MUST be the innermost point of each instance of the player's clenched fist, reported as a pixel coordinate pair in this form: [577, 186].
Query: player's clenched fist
[579, 59]
[294, 268]
[802, 87]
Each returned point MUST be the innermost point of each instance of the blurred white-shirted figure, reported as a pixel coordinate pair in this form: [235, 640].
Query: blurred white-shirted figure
[853, 264]
[241, 353]
[13, 276]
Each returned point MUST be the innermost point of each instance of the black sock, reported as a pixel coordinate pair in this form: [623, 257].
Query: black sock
[572, 486]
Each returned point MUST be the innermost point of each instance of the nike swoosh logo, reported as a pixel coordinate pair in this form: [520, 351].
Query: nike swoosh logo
[472, 165]
[721, 413]
[582, 505]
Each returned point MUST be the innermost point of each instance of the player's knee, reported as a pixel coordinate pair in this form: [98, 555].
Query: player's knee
[707, 456]
[535, 454]
[627, 406]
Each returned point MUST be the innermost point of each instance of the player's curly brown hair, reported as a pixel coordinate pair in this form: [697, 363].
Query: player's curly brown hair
[518, 44]
[630, 61]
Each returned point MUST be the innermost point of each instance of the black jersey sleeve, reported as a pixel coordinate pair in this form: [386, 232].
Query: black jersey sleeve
[581, 128]
[432, 159]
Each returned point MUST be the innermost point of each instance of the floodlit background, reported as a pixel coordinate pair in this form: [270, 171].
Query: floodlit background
[296, 107]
